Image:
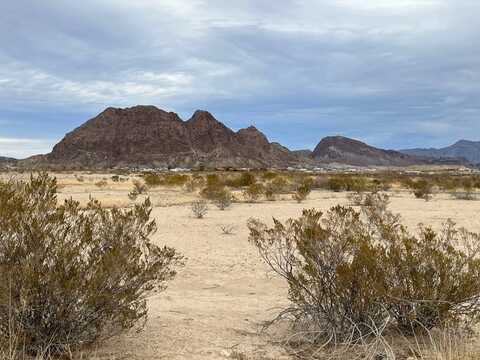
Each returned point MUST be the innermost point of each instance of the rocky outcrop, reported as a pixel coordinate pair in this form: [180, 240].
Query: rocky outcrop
[150, 137]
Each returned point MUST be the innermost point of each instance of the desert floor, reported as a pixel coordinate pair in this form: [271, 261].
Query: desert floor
[215, 306]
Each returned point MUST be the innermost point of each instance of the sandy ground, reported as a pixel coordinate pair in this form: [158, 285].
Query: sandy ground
[215, 307]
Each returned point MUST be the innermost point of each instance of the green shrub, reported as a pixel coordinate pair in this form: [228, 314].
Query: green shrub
[72, 276]
[350, 273]
[253, 192]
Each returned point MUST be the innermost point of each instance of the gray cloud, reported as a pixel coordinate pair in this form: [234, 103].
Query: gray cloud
[396, 73]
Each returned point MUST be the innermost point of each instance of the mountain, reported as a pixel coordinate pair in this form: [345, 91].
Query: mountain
[7, 161]
[150, 137]
[339, 149]
[469, 150]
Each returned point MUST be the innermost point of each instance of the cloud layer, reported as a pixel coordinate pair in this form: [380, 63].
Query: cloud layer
[395, 73]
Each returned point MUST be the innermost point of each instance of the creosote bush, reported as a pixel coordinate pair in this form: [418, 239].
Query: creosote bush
[350, 272]
[253, 192]
[71, 276]
[138, 189]
[302, 192]
[223, 199]
[422, 189]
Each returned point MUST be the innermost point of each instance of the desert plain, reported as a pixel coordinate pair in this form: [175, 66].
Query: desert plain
[216, 306]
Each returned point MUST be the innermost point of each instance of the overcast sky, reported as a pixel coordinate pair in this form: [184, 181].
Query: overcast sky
[393, 73]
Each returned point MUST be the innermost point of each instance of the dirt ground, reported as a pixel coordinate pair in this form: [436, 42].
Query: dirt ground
[216, 305]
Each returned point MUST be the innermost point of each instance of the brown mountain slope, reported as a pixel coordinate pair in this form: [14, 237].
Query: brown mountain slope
[148, 136]
[339, 149]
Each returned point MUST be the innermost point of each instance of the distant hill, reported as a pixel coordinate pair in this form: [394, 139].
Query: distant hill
[148, 136]
[7, 161]
[463, 149]
[339, 149]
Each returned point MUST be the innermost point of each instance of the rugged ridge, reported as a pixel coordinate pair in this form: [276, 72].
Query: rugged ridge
[462, 149]
[150, 137]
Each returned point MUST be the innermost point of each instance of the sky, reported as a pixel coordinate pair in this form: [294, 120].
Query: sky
[393, 73]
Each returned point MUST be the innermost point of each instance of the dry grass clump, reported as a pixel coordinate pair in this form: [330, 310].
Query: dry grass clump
[70, 277]
[199, 208]
[352, 272]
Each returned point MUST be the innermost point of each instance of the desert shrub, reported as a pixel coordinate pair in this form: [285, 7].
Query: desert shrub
[253, 192]
[227, 229]
[199, 208]
[101, 183]
[223, 199]
[71, 276]
[79, 178]
[176, 179]
[246, 178]
[269, 175]
[153, 179]
[279, 185]
[356, 198]
[115, 178]
[194, 183]
[422, 189]
[138, 189]
[213, 190]
[350, 272]
[467, 192]
[213, 181]
[270, 193]
[349, 183]
[329, 266]
[337, 184]
[302, 192]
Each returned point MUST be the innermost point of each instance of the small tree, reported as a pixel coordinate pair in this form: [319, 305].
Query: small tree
[71, 276]
[199, 208]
